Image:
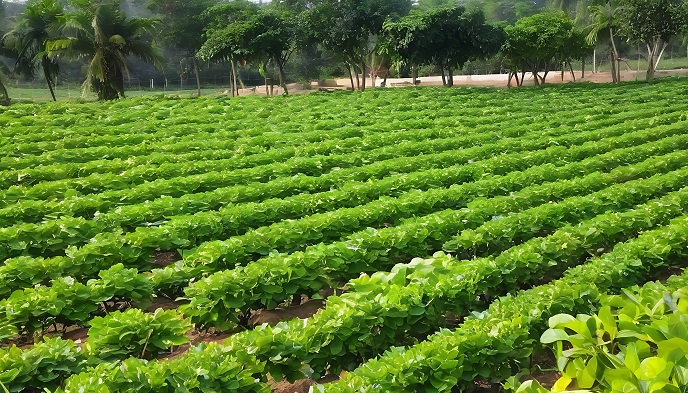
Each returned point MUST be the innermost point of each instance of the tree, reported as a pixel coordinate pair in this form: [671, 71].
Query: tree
[225, 32]
[605, 19]
[101, 32]
[406, 41]
[534, 43]
[447, 37]
[653, 23]
[28, 39]
[182, 27]
[350, 28]
[269, 36]
[274, 36]
[460, 36]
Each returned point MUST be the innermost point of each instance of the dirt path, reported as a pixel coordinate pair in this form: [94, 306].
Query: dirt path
[491, 80]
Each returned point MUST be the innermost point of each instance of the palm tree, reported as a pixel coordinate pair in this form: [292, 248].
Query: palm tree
[605, 18]
[29, 37]
[102, 33]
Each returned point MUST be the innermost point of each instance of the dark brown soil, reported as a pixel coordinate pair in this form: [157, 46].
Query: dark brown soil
[195, 337]
[273, 317]
[300, 386]
[166, 258]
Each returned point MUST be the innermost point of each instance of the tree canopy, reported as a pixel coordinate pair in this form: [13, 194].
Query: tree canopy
[653, 23]
[350, 28]
[447, 37]
[536, 42]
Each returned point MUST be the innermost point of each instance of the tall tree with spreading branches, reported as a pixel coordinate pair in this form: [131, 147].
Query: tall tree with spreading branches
[653, 23]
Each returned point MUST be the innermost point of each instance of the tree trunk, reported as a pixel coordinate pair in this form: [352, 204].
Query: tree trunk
[363, 75]
[384, 80]
[265, 76]
[414, 74]
[583, 68]
[4, 96]
[232, 80]
[617, 61]
[50, 83]
[351, 77]
[281, 77]
[444, 78]
[241, 81]
[450, 77]
[651, 50]
[612, 63]
[573, 74]
[358, 77]
[198, 77]
[235, 76]
[661, 52]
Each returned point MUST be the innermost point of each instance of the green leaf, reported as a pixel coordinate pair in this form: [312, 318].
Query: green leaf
[653, 368]
[553, 335]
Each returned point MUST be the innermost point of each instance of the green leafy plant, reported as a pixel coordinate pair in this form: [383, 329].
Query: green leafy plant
[136, 333]
[636, 343]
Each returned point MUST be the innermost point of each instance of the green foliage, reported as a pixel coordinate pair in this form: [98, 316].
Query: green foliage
[535, 42]
[263, 36]
[344, 192]
[47, 363]
[104, 34]
[68, 301]
[135, 333]
[653, 23]
[182, 22]
[349, 28]
[37, 25]
[216, 298]
[636, 342]
[448, 37]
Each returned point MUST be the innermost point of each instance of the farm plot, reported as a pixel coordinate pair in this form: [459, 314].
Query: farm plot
[450, 224]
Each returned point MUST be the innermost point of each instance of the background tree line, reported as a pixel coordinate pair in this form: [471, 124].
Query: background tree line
[308, 39]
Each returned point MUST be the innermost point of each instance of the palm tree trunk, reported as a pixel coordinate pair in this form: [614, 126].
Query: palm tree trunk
[616, 59]
[45, 64]
[50, 84]
[612, 63]
[198, 77]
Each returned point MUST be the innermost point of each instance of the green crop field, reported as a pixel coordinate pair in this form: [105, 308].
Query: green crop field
[451, 224]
